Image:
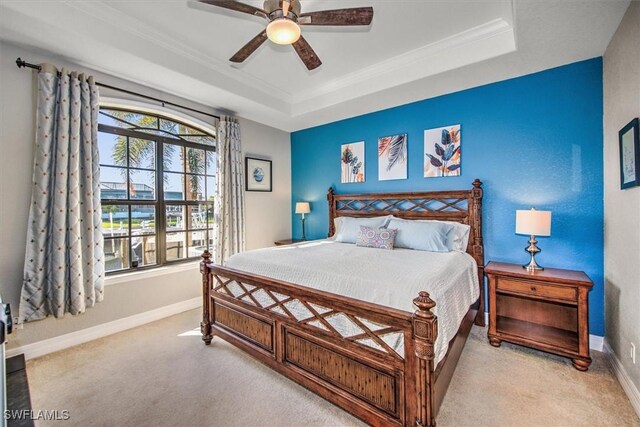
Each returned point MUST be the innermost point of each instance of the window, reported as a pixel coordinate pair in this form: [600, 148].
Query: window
[158, 183]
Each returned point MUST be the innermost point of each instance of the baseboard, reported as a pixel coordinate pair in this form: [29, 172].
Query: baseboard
[62, 342]
[595, 341]
[625, 381]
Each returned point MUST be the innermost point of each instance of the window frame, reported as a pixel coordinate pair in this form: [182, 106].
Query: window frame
[159, 202]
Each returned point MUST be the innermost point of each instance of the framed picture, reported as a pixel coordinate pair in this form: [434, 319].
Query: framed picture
[629, 155]
[258, 174]
[392, 157]
[352, 162]
[442, 152]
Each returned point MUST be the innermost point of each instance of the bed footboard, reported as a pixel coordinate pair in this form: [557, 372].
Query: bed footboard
[375, 362]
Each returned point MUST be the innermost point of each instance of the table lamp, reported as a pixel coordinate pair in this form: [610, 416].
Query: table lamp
[303, 208]
[533, 223]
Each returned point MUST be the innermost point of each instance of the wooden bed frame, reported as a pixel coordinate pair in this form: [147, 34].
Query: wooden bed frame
[360, 373]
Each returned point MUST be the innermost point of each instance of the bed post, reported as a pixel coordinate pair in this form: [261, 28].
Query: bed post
[205, 325]
[425, 332]
[478, 247]
[332, 210]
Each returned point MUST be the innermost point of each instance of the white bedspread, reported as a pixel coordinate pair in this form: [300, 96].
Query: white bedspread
[391, 278]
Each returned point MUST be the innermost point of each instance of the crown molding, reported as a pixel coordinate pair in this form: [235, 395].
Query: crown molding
[483, 42]
[400, 62]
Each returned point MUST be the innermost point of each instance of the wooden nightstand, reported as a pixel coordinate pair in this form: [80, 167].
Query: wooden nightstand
[547, 310]
[287, 242]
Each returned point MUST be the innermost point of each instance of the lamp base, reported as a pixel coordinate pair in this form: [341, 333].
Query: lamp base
[532, 249]
[304, 237]
[532, 267]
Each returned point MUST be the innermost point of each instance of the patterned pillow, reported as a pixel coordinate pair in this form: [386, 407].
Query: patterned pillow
[381, 238]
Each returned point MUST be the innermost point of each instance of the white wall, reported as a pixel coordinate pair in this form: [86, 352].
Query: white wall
[268, 214]
[622, 207]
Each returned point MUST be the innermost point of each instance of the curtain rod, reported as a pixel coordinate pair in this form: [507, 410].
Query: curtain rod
[23, 64]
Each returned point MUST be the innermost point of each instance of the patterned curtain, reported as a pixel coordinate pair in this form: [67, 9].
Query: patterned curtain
[64, 262]
[230, 195]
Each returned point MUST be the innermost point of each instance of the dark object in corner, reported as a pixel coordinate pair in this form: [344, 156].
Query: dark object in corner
[18, 397]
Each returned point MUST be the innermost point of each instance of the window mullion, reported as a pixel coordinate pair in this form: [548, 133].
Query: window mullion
[130, 237]
[161, 230]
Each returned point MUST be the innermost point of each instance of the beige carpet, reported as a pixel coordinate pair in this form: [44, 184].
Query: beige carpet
[162, 374]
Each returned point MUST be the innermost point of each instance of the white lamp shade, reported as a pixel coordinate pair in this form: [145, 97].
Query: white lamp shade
[303, 208]
[533, 222]
[283, 31]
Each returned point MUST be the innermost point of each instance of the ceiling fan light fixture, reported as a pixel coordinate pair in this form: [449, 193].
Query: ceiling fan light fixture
[283, 31]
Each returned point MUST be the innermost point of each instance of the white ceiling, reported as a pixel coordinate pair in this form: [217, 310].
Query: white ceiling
[414, 49]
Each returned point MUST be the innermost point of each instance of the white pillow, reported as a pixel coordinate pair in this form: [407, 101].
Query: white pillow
[458, 236]
[421, 235]
[348, 228]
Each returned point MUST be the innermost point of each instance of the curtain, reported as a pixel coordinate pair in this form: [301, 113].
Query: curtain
[230, 191]
[64, 262]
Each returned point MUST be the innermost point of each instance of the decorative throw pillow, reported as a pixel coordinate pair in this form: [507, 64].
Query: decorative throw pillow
[348, 228]
[380, 238]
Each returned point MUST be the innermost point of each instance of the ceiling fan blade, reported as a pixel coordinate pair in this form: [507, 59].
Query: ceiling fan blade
[237, 6]
[250, 47]
[342, 17]
[306, 53]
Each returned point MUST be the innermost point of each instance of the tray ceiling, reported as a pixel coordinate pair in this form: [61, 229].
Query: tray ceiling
[414, 49]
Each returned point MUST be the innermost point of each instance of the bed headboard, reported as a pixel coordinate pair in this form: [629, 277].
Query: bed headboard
[464, 206]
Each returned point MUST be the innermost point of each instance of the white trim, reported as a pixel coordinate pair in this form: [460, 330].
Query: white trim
[62, 342]
[497, 32]
[625, 381]
[153, 272]
[595, 341]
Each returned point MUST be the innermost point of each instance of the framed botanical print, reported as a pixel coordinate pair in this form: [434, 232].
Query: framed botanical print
[629, 155]
[442, 151]
[392, 157]
[352, 162]
[258, 174]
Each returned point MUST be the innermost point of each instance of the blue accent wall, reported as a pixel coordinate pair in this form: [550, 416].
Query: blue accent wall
[535, 141]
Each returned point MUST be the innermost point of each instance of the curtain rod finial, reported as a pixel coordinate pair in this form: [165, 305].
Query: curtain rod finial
[19, 62]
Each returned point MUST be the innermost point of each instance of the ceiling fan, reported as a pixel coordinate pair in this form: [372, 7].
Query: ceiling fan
[285, 19]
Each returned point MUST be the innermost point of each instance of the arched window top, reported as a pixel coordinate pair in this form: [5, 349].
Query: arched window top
[155, 124]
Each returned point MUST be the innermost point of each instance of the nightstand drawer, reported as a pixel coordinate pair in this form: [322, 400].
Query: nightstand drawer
[537, 289]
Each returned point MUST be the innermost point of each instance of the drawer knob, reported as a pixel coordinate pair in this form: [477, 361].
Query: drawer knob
[533, 289]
